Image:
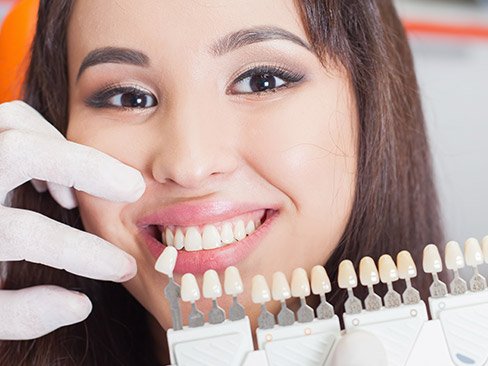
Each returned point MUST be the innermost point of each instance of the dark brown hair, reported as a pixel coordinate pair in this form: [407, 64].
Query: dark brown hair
[395, 205]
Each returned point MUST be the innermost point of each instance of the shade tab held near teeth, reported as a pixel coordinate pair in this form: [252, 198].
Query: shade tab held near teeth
[232, 281]
[189, 288]
[280, 287]
[212, 288]
[405, 265]
[166, 261]
[368, 273]
[320, 280]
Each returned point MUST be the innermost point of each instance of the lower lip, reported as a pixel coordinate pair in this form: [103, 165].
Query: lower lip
[219, 259]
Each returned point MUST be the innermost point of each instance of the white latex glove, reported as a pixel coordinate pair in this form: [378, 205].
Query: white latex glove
[359, 348]
[30, 148]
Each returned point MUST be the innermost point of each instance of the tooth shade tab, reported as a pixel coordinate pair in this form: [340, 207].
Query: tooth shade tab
[432, 262]
[280, 288]
[189, 288]
[484, 244]
[368, 273]
[388, 270]
[211, 285]
[260, 290]
[405, 265]
[167, 261]
[347, 277]
[454, 257]
[320, 281]
[232, 281]
[300, 287]
[473, 253]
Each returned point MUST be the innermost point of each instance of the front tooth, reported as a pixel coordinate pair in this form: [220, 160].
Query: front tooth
[368, 273]
[179, 239]
[210, 237]
[432, 259]
[193, 239]
[239, 230]
[189, 288]
[454, 258]
[280, 287]
[250, 227]
[388, 270]
[473, 253]
[320, 280]
[347, 277]
[168, 237]
[227, 235]
[232, 281]
[211, 285]
[260, 290]
[166, 261]
[484, 243]
[300, 287]
[406, 265]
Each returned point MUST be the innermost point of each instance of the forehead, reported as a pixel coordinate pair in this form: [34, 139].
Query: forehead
[171, 25]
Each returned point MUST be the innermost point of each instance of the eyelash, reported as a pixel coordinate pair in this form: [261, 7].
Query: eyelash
[100, 98]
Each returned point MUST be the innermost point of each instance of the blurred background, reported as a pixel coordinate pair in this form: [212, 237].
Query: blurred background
[449, 39]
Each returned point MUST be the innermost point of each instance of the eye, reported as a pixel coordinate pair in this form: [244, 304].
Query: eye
[122, 97]
[263, 79]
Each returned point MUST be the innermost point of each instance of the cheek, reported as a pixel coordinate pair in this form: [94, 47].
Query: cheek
[307, 150]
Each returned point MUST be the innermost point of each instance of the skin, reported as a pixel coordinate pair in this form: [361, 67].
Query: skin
[295, 147]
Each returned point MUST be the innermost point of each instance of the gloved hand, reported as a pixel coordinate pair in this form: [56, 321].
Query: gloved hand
[359, 348]
[30, 148]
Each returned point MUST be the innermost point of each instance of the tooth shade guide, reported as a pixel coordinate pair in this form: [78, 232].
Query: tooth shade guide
[233, 286]
[454, 260]
[389, 274]
[321, 285]
[368, 274]
[347, 279]
[474, 257]
[432, 263]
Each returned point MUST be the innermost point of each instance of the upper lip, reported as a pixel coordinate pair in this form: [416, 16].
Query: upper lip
[198, 213]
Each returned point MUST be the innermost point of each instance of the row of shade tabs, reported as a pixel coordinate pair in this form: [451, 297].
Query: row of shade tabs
[319, 284]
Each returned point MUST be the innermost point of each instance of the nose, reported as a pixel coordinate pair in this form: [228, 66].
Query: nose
[196, 147]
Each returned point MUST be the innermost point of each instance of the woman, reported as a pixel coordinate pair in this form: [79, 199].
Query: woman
[301, 117]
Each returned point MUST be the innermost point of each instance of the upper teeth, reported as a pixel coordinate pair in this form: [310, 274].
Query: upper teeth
[209, 237]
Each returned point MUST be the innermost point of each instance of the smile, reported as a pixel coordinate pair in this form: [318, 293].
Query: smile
[211, 236]
[207, 236]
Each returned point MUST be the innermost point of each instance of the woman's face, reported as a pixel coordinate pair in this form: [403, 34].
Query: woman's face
[233, 122]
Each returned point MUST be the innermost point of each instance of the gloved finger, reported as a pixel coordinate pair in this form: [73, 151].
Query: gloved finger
[18, 115]
[25, 155]
[35, 311]
[27, 235]
[39, 185]
[359, 348]
[64, 196]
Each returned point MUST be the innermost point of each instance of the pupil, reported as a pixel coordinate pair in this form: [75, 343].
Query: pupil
[134, 100]
[262, 82]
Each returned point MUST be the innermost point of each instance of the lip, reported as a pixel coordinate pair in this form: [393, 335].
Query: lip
[197, 262]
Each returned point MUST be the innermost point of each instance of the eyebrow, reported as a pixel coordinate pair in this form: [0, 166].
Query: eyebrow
[252, 35]
[226, 44]
[114, 55]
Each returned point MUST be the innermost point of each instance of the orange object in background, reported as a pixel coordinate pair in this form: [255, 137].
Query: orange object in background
[16, 37]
